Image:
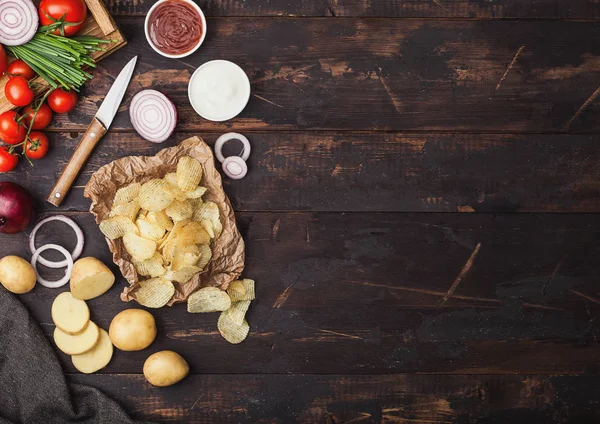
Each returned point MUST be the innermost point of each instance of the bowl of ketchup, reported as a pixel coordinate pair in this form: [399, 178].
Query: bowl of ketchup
[175, 28]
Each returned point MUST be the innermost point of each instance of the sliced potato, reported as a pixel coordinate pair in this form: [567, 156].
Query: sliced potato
[117, 226]
[75, 344]
[237, 312]
[126, 194]
[149, 230]
[160, 218]
[231, 331]
[155, 293]
[90, 278]
[189, 173]
[237, 294]
[152, 267]
[129, 210]
[165, 368]
[69, 314]
[156, 195]
[182, 275]
[179, 210]
[97, 357]
[138, 247]
[208, 299]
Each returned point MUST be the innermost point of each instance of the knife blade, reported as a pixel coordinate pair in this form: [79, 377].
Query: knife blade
[96, 130]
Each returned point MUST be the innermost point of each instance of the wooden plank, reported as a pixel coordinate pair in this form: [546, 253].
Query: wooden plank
[379, 74]
[369, 293]
[311, 399]
[372, 172]
[579, 9]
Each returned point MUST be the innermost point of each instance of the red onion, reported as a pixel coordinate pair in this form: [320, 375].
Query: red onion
[153, 115]
[78, 247]
[16, 208]
[52, 284]
[18, 21]
[235, 167]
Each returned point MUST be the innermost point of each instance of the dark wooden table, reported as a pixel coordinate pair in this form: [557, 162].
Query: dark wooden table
[419, 213]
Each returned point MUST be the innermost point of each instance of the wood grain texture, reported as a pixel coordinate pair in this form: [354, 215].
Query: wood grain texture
[372, 172]
[378, 74]
[361, 293]
[332, 399]
[580, 9]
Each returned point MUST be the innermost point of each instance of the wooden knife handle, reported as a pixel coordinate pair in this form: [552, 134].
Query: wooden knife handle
[89, 140]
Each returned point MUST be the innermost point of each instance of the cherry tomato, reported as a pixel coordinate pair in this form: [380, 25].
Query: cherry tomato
[12, 131]
[74, 12]
[8, 161]
[3, 61]
[61, 101]
[42, 119]
[18, 92]
[37, 145]
[20, 68]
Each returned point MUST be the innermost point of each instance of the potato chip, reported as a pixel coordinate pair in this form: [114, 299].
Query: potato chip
[174, 232]
[160, 218]
[156, 195]
[208, 299]
[192, 233]
[207, 225]
[129, 210]
[205, 255]
[232, 332]
[182, 275]
[150, 230]
[152, 267]
[180, 210]
[126, 194]
[237, 312]
[209, 211]
[117, 226]
[237, 295]
[155, 293]
[189, 173]
[185, 256]
[138, 247]
[142, 213]
[171, 178]
[196, 194]
[217, 227]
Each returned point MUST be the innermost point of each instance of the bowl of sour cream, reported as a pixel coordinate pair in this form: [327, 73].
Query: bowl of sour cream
[219, 90]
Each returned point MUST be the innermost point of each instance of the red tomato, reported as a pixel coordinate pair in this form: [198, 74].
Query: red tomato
[8, 161]
[20, 68]
[42, 119]
[3, 61]
[37, 145]
[74, 12]
[12, 131]
[18, 92]
[61, 101]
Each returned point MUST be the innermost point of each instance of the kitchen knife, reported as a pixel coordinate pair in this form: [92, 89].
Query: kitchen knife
[97, 129]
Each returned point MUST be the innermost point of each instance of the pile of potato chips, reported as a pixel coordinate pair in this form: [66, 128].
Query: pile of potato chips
[166, 228]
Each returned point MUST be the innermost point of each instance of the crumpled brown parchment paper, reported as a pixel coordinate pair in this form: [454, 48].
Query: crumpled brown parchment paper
[228, 250]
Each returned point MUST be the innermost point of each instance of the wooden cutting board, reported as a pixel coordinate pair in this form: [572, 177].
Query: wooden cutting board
[100, 24]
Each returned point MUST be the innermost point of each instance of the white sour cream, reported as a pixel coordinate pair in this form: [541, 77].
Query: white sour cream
[219, 90]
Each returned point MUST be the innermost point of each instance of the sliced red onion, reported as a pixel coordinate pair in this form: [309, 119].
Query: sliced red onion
[153, 115]
[74, 254]
[68, 258]
[18, 22]
[235, 167]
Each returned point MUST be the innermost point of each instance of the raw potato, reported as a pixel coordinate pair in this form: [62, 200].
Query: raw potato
[75, 344]
[132, 329]
[90, 278]
[165, 368]
[69, 314]
[96, 358]
[17, 275]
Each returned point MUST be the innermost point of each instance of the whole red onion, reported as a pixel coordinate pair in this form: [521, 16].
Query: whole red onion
[16, 208]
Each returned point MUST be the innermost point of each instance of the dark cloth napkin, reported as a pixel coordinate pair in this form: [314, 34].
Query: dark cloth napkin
[33, 388]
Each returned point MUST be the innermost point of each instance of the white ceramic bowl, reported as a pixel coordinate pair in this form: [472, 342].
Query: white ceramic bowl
[237, 106]
[176, 56]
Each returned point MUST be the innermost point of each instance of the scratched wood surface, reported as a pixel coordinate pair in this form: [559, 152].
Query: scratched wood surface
[395, 213]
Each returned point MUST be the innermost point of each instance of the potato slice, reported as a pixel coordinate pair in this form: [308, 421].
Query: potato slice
[152, 267]
[126, 194]
[75, 344]
[237, 312]
[117, 226]
[208, 299]
[149, 230]
[97, 357]
[179, 210]
[156, 195]
[155, 293]
[238, 294]
[90, 278]
[138, 247]
[232, 332]
[69, 314]
[189, 173]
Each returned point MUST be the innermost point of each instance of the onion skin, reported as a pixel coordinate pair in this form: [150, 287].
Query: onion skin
[16, 208]
[3, 61]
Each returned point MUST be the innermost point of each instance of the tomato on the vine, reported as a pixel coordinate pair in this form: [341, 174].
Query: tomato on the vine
[61, 101]
[37, 145]
[72, 13]
[42, 119]
[18, 91]
[19, 68]
[12, 131]
[8, 161]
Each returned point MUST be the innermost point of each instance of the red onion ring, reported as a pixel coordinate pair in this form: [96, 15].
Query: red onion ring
[43, 281]
[153, 115]
[74, 254]
[18, 22]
